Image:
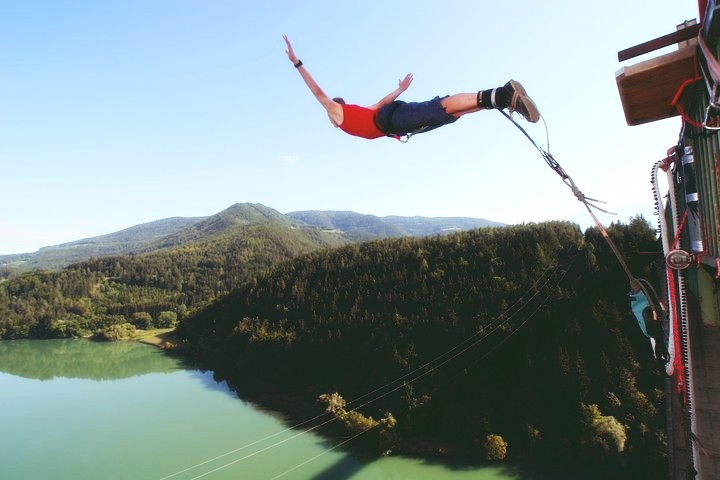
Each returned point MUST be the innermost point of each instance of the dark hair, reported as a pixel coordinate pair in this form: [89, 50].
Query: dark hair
[339, 100]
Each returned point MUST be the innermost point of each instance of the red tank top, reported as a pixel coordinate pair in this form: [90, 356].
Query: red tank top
[360, 121]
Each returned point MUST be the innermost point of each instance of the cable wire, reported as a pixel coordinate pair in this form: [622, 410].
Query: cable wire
[427, 367]
[512, 333]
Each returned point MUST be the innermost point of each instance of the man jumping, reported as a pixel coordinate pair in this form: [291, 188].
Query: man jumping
[395, 118]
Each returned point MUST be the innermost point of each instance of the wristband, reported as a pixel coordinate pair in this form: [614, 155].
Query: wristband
[299, 64]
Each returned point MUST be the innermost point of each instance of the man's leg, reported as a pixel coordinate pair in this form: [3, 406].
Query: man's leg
[512, 96]
[461, 103]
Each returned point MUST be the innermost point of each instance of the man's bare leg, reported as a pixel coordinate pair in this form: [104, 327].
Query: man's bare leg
[460, 104]
[511, 96]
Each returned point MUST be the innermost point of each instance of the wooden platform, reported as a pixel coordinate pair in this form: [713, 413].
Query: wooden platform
[648, 88]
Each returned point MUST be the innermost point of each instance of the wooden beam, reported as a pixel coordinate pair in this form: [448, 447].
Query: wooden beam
[647, 88]
[676, 37]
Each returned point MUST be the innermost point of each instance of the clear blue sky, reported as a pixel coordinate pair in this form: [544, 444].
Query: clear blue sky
[115, 113]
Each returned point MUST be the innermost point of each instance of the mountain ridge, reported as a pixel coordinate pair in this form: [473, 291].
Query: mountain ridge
[176, 231]
[358, 226]
[126, 241]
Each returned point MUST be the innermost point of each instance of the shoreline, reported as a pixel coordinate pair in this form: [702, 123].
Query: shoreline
[163, 338]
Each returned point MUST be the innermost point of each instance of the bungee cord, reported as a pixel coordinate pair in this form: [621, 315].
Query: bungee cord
[590, 204]
[450, 354]
[640, 290]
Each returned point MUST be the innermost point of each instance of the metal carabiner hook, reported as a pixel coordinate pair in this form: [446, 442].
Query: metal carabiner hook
[712, 112]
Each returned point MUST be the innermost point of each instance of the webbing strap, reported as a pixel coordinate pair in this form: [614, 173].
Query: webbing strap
[712, 112]
[712, 62]
[408, 135]
[677, 234]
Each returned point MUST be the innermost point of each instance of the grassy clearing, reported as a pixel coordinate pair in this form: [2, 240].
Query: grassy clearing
[159, 337]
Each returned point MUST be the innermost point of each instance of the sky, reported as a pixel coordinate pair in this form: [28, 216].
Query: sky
[116, 113]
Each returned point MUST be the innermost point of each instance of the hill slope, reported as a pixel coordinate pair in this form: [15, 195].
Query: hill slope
[186, 270]
[177, 231]
[130, 240]
[359, 227]
[523, 332]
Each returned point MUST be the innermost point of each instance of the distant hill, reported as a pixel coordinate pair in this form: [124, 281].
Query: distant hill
[174, 274]
[359, 227]
[177, 231]
[130, 240]
[236, 216]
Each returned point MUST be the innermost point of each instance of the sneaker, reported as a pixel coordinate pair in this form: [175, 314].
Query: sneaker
[520, 102]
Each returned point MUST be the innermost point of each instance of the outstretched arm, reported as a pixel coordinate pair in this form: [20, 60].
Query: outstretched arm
[390, 97]
[334, 109]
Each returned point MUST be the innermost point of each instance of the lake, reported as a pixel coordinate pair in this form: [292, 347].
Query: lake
[77, 409]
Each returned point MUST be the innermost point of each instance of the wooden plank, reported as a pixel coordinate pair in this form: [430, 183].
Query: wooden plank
[648, 88]
[671, 38]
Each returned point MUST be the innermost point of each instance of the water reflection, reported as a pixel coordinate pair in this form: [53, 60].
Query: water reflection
[185, 421]
[47, 359]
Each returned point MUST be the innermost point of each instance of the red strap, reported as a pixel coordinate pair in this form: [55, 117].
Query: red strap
[677, 234]
[679, 107]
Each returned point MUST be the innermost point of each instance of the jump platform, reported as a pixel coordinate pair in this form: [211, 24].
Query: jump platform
[648, 88]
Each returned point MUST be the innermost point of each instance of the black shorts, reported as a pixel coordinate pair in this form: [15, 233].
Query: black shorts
[401, 118]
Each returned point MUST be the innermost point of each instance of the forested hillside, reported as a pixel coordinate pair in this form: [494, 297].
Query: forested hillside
[153, 289]
[514, 342]
[169, 267]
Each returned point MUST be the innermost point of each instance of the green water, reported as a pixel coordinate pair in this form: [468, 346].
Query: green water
[75, 409]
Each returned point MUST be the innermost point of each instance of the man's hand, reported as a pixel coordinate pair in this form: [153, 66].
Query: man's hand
[334, 109]
[392, 96]
[405, 82]
[289, 50]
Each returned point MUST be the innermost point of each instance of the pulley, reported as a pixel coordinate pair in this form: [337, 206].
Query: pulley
[678, 259]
